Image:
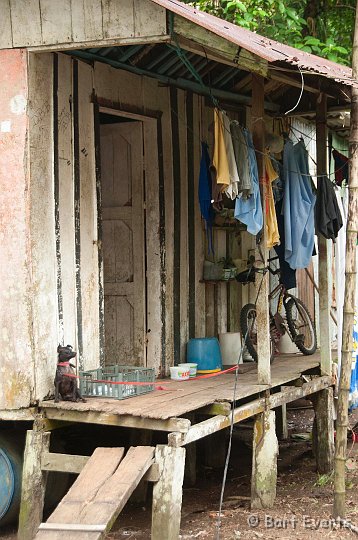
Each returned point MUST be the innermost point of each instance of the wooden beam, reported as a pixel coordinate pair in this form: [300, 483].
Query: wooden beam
[262, 281]
[324, 246]
[13, 415]
[167, 493]
[33, 484]
[220, 46]
[94, 417]
[63, 462]
[207, 427]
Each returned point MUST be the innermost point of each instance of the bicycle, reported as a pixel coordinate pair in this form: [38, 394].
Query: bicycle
[297, 323]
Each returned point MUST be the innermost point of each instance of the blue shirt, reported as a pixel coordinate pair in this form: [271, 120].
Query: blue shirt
[249, 210]
[298, 206]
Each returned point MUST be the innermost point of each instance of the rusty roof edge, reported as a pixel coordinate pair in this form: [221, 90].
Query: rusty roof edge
[270, 50]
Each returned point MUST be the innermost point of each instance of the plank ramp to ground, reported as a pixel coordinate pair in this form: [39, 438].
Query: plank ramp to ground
[98, 495]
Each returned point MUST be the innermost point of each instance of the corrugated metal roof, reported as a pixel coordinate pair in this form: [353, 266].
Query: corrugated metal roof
[265, 48]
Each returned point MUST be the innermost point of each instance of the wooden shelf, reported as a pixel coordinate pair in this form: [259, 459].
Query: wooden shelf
[216, 281]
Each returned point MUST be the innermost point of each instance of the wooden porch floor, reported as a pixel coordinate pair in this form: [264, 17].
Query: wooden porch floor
[184, 397]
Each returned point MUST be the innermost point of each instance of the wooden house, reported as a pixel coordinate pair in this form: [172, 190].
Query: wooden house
[103, 106]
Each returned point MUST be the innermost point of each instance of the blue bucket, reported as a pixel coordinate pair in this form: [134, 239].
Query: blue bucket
[10, 476]
[206, 353]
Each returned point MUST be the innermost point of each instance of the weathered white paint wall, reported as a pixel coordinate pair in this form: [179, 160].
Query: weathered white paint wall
[77, 22]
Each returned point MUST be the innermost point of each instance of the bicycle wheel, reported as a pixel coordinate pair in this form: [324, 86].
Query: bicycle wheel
[301, 326]
[248, 328]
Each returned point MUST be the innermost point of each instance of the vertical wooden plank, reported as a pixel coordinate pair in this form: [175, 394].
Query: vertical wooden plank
[153, 240]
[184, 236]
[56, 26]
[177, 221]
[87, 24]
[118, 18]
[199, 244]
[33, 484]
[234, 304]
[88, 220]
[5, 25]
[42, 221]
[324, 430]
[221, 301]
[264, 461]
[21, 14]
[192, 203]
[325, 263]
[17, 370]
[149, 18]
[57, 196]
[167, 493]
[97, 137]
[77, 206]
[262, 306]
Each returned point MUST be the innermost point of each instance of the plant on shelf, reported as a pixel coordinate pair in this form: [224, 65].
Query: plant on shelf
[229, 268]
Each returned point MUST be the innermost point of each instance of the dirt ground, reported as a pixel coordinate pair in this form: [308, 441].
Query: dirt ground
[303, 505]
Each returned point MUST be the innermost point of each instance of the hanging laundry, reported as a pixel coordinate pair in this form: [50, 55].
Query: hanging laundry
[249, 210]
[328, 216]
[224, 158]
[220, 161]
[341, 167]
[298, 206]
[205, 193]
[242, 158]
[272, 234]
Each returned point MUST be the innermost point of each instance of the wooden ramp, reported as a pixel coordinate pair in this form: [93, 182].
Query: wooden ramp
[99, 494]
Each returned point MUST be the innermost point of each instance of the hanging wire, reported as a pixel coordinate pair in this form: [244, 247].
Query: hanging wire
[228, 453]
[301, 93]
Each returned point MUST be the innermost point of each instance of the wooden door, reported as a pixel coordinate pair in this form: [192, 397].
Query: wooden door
[123, 242]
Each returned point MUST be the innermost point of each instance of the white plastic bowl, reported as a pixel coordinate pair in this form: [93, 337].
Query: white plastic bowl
[192, 368]
[179, 373]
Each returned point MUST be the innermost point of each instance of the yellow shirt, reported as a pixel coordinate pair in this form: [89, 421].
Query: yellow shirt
[272, 234]
[220, 161]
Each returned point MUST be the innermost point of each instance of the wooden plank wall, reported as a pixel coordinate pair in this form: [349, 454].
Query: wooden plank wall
[79, 22]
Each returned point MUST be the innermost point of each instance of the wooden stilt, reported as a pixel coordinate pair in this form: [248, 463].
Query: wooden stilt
[281, 422]
[264, 461]
[190, 465]
[167, 493]
[323, 433]
[215, 450]
[33, 484]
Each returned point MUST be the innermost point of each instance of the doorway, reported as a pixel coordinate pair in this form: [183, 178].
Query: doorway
[123, 239]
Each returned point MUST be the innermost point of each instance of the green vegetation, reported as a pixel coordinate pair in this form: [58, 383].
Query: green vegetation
[322, 27]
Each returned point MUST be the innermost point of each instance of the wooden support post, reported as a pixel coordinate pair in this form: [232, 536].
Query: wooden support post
[323, 433]
[190, 465]
[33, 484]
[281, 422]
[262, 282]
[325, 267]
[216, 450]
[264, 461]
[167, 493]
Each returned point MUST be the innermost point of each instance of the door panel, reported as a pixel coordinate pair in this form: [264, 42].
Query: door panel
[123, 242]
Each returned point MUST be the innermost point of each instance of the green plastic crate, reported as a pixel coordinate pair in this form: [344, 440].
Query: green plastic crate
[112, 374]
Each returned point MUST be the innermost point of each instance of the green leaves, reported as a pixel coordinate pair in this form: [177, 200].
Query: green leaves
[327, 33]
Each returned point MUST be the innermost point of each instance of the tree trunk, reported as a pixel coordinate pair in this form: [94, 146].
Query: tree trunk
[349, 303]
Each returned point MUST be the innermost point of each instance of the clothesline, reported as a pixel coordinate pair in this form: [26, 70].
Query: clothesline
[256, 150]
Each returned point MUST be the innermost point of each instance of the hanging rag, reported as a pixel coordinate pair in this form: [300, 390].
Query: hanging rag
[341, 167]
[287, 274]
[298, 206]
[232, 190]
[272, 234]
[242, 159]
[249, 210]
[328, 217]
[220, 160]
[205, 194]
